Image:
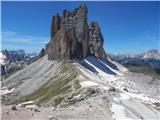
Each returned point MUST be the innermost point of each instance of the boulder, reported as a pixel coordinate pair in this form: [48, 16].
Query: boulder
[14, 107]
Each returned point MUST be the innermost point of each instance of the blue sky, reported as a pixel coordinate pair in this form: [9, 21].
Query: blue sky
[127, 27]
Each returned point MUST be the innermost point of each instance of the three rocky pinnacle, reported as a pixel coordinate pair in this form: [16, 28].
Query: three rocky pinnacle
[73, 37]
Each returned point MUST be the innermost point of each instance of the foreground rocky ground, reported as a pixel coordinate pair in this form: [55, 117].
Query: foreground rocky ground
[92, 92]
[95, 108]
[117, 101]
[92, 109]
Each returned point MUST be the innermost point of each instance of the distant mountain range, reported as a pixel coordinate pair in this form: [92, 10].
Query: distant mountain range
[150, 54]
[149, 59]
[13, 60]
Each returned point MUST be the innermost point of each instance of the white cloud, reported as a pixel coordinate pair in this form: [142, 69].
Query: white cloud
[10, 36]
[9, 33]
[23, 40]
[30, 43]
[45, 42]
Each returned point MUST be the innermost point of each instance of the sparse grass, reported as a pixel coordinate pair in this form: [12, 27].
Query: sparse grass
[77, 84]
[58, 100]
[58, 85]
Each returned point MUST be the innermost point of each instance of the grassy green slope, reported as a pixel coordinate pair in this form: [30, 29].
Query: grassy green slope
[62, 83]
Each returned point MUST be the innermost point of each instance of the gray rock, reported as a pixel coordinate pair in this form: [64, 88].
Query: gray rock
[96, 40]
[41, 54]
[14, 107]
[112, 89]
[72, 37]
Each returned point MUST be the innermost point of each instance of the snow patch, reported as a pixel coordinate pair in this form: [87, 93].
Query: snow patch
[104, 76]
[88, 83]
[6, 91]
[26, 103]
[120, 112]
[128, 108]
[142, 97]
[119, 66]
[115, 71]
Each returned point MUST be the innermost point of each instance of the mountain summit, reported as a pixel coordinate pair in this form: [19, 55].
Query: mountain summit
[73, 37]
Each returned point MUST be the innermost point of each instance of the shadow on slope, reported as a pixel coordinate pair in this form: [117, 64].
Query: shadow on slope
[94, 61]
[109, 63]
[86, 65]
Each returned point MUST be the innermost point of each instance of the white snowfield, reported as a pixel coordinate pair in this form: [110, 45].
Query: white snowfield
[101, 78]
[129, 106]
[26, 103]
[119, 66]
[119, 104]
[5, 91]
[115, 71]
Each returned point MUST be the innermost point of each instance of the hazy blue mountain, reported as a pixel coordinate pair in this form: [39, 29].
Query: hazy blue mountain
[14, 60]
[149, 59]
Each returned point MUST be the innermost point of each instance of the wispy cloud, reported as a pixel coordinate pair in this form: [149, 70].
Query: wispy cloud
[9, 33]
[15, 40]
[24, 40]
[11, 36]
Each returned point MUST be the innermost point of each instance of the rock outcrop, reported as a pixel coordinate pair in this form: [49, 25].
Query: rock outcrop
[72, 37]
[41, 53]
[96, 40]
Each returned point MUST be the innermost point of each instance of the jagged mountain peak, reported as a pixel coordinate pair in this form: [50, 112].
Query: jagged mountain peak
[13, 60]
[149, 54]
[73, 37]
[152, 54]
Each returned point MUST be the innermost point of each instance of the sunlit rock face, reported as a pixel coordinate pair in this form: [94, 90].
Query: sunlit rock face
[72, 37]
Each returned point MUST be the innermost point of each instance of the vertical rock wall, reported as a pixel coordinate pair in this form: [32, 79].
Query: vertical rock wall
[72, 37]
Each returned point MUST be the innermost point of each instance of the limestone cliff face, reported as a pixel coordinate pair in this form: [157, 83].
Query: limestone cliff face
[95, 40]
[72, 37]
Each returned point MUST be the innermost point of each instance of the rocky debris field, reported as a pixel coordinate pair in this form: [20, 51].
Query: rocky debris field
[110, 104]
[93, 92]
